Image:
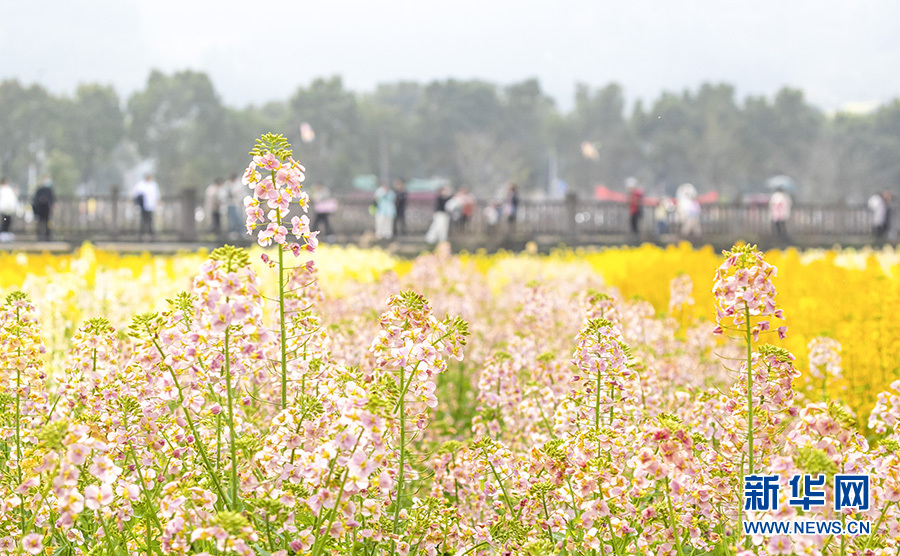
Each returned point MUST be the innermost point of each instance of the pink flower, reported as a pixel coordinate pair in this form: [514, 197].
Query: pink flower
[385, 481]
[33, 543]
[104, 469]
[97, 496]
[268, 161]
[264, 238]
[264, 188]
[312, 242]
[77, 454]
[300, 225]
[251, 176]
[281, 200]
[280, 234]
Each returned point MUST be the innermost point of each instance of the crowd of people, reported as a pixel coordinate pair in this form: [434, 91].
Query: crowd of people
[453, 211]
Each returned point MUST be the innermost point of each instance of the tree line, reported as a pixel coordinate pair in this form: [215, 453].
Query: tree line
[471, 132]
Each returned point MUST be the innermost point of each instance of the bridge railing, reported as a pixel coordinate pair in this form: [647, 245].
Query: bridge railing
[179, 217]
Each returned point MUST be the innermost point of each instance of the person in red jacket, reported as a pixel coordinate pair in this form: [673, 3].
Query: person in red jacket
[635, 205]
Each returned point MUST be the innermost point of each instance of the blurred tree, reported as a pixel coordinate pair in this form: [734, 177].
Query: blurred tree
[529, 116]
[598, 120]
[65, 171]
[336, 153]
[779, 138]
[388, 131]
[468, 131]
[448, 111]
[93, 125]
[28, 128]
[716, 153]
[178, 120]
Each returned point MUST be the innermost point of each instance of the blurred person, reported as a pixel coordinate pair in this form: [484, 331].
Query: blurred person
[401, 197]
[467, 206]
[492, 215]
[661, 215]
[440, 223]
[42, 206]
[511, 208]
[146, 196]
[385, 211]
[635, 205]
[779, 211]
[213, 206]
[879, 205]
[323, 205]
[688, 209]
[9, 203]
[231, 202]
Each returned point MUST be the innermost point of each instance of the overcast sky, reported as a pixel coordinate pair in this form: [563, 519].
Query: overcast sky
[842, 53]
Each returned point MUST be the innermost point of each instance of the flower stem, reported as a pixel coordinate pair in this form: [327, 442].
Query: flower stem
[672, 519]
[749, 388]
[877, 525]
[232, 436]
[19, 417]
[201, 449]
[399, 496]
[281, 323]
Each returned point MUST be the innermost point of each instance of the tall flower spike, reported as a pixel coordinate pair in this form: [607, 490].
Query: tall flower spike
[743, 286]
[275, 178]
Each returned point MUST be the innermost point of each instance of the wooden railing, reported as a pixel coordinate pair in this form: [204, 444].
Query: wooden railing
[179, 218]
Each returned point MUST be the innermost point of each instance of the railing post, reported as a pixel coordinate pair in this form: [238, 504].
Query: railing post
[188, 224]
[571, 201]
[114, 192]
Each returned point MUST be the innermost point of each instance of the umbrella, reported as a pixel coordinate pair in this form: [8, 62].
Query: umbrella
[365, 182]
[781, 182]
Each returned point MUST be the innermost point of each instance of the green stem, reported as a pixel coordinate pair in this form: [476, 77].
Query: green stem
[502, 488]
[337, 503]
[476, 547]
[547, 517]
[672, 522]
[201, 449]
[18, 419]
[749, 388]
[399, 497]
[144, 490]
[877, 525]
[233, 437]
[283, 338]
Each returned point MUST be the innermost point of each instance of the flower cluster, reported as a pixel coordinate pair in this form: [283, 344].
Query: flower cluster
[275, 178]
[824, 358]
[743, 290]
[680, 290]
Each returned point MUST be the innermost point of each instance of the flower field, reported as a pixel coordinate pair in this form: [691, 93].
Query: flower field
[604, 402]
[505, 449]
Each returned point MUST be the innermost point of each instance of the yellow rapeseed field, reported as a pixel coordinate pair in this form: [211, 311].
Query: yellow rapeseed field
[851, 296]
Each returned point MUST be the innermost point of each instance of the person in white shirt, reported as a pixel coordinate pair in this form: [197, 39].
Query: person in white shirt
[688, 209]
[146, 196]
[9, 202]
[880, 206]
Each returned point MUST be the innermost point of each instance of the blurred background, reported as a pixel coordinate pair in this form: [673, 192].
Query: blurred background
[571, 97]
